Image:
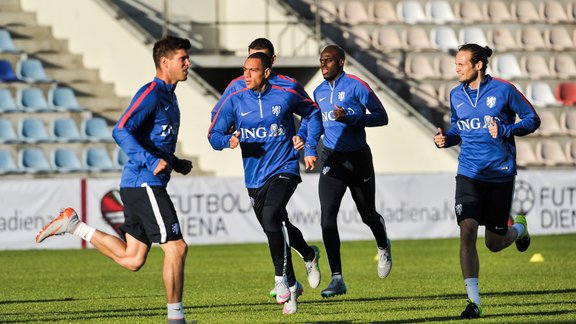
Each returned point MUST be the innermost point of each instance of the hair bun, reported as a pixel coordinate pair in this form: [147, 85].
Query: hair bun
[488, 51]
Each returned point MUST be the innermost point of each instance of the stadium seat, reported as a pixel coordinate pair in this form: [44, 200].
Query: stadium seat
[444, 39]
[568, 122]
[551, 153]
[549, 125]
[572, 10]
[525, 155]
[383, 12]
[535, 67]
[445, 67]
[497, 11]
[540, 94]
[6, 43]
[419, 67]
[566, 93]
[506, 66]
[553, 12]
[424, 95]
[525, 11]
[7, 73]
[96, 159]
[64, 99]
[120, 158]
[411, 12]
[469, 11]
[357, 37]
[502, 39]
[474, 35]
[32, 99]
[32, 71]
[558, 39]
[386, 39]
[96, 129]
[7, 132]
[32, 130]
[65, 160]
[326, 9]
[7, 163]
[7, 103]
[530, 38]
[444, 92]
[570, 150]
[415, 39]
[440, 12]
[563, 66]
[64, 129]
[390, 67]
[353, 13]
[33, 160]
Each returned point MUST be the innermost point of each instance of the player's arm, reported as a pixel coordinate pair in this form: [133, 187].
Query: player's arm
[367, 98]
[218, 135]
[452, 136]
[311, 117]
[140, 109]
[529, 119]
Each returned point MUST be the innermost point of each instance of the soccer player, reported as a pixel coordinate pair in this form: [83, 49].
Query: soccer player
[147, 132]
[483, 122]
[347, 160]
[263, 116]
[309, 253]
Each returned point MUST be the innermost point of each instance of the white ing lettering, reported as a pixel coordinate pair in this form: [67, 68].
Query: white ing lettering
[261, 132]
[468, 124]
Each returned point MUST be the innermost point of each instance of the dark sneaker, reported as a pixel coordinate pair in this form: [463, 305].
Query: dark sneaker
[336, 287]
[472, 310]
[523, 242]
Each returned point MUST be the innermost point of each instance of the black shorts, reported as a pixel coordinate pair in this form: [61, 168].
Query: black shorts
[351, 168]
[150, 216]
[488, 203]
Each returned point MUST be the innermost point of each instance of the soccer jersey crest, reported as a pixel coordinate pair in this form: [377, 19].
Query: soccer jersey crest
[276, 110]
[491, 101]
[341, 95]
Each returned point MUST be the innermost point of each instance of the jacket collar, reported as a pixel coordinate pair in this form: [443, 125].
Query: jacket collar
[165, 86]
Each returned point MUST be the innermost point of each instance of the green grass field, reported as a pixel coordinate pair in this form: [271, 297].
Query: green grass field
[230, 284]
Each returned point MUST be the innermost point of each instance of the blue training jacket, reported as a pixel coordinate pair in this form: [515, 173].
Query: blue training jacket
[355, 96]
[265, 121]
[481, 156]
[147, 132]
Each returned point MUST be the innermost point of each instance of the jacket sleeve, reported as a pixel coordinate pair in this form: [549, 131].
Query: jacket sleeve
[223, 118]
[311, 125]
[142, 108]
[232, 87]
[368, 99]
[529, 119]
[452, 135]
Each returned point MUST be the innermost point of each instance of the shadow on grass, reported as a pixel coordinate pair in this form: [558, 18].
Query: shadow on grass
[503, 317]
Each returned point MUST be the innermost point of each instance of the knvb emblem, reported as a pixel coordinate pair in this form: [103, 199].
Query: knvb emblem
[341, 95]
[491, 102]
[325, 170]
[176, 228]
[458, 209]
[276, 110]
[167, 130]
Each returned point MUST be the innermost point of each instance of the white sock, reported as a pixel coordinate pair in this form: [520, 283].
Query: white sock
[175, 311]
[278, 278]
[84, 231]
[472, 290]
[519, 229]
[337, 277]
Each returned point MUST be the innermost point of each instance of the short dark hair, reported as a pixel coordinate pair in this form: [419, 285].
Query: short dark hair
[479, 53]
[167, 46]
[340, 54]
[265, 59]
[262, 44]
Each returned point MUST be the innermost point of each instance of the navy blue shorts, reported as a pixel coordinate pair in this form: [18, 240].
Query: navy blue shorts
[150, 216]
[488, 203]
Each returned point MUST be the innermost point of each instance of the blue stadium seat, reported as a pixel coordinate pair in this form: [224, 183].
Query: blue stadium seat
[7, 163]
[7, 103]
[7, 132]
[31, 70]
[65, 160]
[33, 160]
[33, 100]
[96, 159]
[95, 129]
[6, 43]
[64, 99]
[32, 130]
[7, 73]
[65, 130]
